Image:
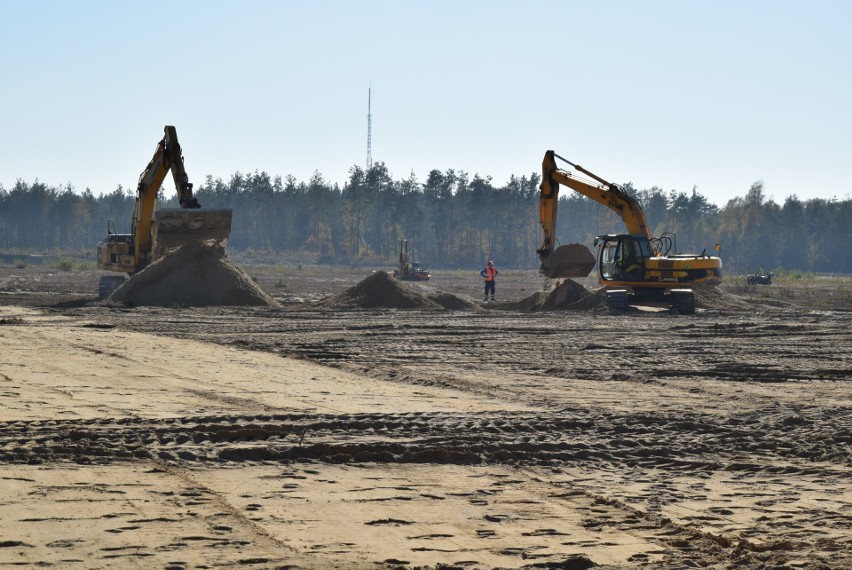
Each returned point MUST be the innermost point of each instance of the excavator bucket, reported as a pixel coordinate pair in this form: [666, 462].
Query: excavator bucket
[573, 260]
[177, 227]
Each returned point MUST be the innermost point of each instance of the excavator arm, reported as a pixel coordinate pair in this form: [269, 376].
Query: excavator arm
[575, 260]
[608, 194]
[167, 157]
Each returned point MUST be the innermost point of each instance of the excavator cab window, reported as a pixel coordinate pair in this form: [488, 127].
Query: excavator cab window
[634, 259]
[606, 260]
[622, 258]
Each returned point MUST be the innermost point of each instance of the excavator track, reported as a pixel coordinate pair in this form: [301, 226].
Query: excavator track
[683, 300]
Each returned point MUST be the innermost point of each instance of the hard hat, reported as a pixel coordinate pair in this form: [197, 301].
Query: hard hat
[490, 263]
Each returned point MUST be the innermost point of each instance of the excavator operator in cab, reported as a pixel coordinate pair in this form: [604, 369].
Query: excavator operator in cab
[630, 261]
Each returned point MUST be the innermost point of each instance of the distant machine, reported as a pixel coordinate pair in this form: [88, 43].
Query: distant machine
[760, 278]
[409, 270]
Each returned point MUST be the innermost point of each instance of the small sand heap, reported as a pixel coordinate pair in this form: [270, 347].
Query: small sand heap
[568, 295]
[381, 290]
[452, 302]
[192, 276]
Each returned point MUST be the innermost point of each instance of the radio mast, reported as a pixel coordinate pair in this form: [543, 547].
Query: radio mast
[369, 129]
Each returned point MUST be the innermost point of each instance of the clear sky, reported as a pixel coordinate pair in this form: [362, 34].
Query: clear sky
[712, 94]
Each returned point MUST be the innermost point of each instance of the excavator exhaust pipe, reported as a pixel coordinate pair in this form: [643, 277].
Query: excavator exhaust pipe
[572, 260]
[177, 227]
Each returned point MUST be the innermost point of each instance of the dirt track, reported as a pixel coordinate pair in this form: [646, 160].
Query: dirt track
[306, 437]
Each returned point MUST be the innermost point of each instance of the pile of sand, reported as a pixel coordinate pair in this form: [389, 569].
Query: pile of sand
[453, 302]
[567, 295]
[530, 303]
[381, 290]
[192, 276]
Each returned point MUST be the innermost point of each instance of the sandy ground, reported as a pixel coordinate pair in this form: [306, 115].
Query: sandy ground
[302, 437]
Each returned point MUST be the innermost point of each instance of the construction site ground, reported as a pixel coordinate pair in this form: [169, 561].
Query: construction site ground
[305, 435]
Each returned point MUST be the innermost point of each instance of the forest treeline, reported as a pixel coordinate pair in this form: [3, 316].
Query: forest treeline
[452, 220]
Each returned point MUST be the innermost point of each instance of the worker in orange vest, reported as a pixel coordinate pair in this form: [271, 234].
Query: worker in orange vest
[490, 275]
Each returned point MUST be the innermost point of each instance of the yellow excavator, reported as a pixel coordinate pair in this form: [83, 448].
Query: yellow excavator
[154, 232]
[634, 267]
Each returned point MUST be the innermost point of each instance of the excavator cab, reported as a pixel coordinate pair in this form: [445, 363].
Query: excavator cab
[622, 257]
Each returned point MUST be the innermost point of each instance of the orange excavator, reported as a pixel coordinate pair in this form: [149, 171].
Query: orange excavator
[635, 267]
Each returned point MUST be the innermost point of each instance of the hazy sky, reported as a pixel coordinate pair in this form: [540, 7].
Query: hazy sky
[676, 94]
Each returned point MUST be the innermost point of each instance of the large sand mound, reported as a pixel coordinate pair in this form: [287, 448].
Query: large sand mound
[381, 290]
[566, 295]
[191, 276]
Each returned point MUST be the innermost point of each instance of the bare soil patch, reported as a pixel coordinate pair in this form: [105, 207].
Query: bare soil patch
[358, 435]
